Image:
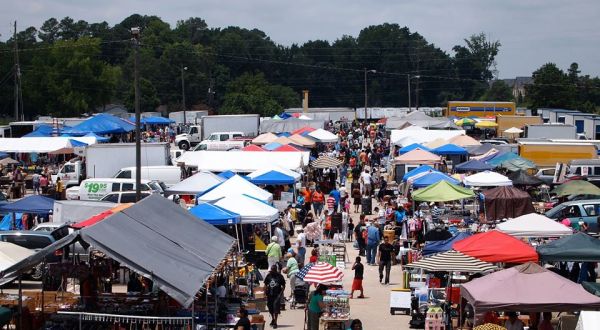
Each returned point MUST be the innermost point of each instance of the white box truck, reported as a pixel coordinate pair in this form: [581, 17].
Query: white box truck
[248, 125]
[105, 160]
[191, 117]
[550, 131]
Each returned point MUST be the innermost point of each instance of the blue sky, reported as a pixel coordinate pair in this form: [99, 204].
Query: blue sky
[532, 32]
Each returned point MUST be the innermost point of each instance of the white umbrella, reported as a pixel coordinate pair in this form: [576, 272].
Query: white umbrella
[513, 130]
[487, 179]
[11, 253]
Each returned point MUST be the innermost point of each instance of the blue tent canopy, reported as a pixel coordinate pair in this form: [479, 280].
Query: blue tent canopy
[284, 115]
[431, 178]
[473, 165]
[101, 124]
[32, 204]
[420, 169]
[496, 161]
[272, 177]
[153, 120]
[76, 143]
[7, 222]
[492, 156]
[44, 130]
[272, 146]
[98, 137]
[432, 247]
[286, 134]
[412, 147]
[450, 149]
[215, 215]
[226, 174]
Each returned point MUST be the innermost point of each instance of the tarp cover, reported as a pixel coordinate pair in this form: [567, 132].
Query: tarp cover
[495, 246]
[473, 165]
[579, 247]
[198, 183]
[236, 185]
[527, 288]
[215, 215]
[433, 247]
[534, 225]
[101, 124]
[31, 204]
[506, 202]
[442, 191]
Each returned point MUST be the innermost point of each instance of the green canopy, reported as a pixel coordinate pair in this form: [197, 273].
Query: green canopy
[516, 164]
[579, 247]
[576, 187]
[442, 191]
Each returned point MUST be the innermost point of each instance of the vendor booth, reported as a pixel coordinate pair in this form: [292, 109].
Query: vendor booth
[495, 246]
[506, 202]
[236, 185]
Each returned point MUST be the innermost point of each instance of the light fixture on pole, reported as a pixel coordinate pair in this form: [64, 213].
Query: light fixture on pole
[135, 38]
[183, 69]
[408, 78]
[366, 92]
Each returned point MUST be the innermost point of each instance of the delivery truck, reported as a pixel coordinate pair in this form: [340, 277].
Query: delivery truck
[550, 131]
[548, 154]
[248, 125]
[105, 160]
[191, 117]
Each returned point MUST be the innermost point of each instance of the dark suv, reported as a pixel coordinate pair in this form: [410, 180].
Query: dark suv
[32, 240]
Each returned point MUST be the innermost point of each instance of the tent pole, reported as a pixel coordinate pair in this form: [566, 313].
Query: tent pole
[237, 234]
[20, 305]
[193, 316]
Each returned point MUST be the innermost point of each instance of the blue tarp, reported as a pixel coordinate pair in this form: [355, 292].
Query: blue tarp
[272, 146]
[7, 222]
[215, 215]
[98, 137]
[32, 204]
[432, 247]
[450, 149]
[420, 169]
[431, 178]
[492, 156]
[272, 177]
[473, 165]
[44, 130]
[101, 124]
[76, 143]
[3, 154]
[226, 174]
[154, 120]
[412, 147]
[496, 161]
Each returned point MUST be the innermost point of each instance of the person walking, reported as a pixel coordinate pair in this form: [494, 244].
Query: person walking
[274, 288]
[315, 307]
[372, 241]
[360, 238]
[359, 270]
[318, 199]
[59, 189]
[291, 269]
[384, 256]
[301, 247]
[273, 252]
[35, 181]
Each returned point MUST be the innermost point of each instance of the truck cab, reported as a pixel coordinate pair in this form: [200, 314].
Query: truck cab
[70, 173]
[192, 137]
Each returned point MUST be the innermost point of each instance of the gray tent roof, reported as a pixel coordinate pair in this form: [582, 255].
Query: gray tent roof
[289, 125]
[155, 238]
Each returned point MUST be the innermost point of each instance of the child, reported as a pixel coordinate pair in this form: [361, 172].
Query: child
[358, 278]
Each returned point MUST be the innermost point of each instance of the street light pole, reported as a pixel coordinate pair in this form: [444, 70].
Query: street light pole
[183, 94]
[135, 33]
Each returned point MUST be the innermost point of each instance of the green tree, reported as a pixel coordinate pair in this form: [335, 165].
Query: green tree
[474, 64]
[251, 93]
[551, 88]
[498, 91]
[148, 97]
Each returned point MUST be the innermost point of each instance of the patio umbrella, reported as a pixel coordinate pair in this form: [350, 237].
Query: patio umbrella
[576, 187]
[464, 122]
[452, 261]
[320, 272]
[513, 130]
[486, 124]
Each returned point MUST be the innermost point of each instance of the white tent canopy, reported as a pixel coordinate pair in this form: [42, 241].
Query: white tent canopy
[42, 144]
[422, 136]
[11, 253]
[287, 172]
[243, 161]
[322, 135]
[534, 225]
[249, 209]
[237, 185]
[196, 184]
[487, 179]
[588, 320]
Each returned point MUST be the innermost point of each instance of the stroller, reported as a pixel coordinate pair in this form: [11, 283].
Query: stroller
[300, 294]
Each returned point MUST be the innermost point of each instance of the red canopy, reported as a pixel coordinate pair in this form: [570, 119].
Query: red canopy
[286, 147]
[303, 129]
[495, 246]
[252, 147]
[101, 216]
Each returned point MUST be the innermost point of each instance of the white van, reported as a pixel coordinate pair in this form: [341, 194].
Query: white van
[95, 189]
[169, 175]
[220, 145]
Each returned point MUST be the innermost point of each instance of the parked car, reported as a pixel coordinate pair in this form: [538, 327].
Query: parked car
[577, 211]
[123, 197]
[546, 175]
[33, 240]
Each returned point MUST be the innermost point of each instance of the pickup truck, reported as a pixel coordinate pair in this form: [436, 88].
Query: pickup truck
[185, 141]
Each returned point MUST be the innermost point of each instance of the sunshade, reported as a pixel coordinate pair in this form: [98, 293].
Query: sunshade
[420, 169]
[236, 185]
[322, 135]
[431, 178]
[264, 138]
[198, 183]
[473, 165]
[534, 225]
[436, 143]
[432, 247]
[579, 247]
[464, 140]
[326, 162]
[495, 246]
[576, 187]
[320, 272]
[250, 210]
[31, 204]
[412, 147]
[513, 130]
[527, 288]
[419, 156]
[452, 261]
[486, 124]
[522, 178]
[487, 179]
[506, 202]
[464, 121]
[8, 161]
[442, 191]
[11, 253]
[450, 149]
[252, 147]
[215, 215]
[272, 178]
[517, 164]
[101, 124]
[302, 140]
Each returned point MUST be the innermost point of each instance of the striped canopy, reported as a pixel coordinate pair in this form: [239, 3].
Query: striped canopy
[452, 261]
[320, 272]
[326, 162]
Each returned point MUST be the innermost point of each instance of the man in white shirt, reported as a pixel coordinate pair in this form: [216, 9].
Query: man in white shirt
[280, 235]
[365, 178]
[301, 247]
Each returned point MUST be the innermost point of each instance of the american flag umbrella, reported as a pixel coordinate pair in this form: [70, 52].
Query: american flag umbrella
[320, 272]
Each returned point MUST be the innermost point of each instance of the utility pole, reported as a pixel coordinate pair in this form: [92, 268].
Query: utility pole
[366, 93]
[408, 81]
[183, 68]
[135, 33]
[17, 74]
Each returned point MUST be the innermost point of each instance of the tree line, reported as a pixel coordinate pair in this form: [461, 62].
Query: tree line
[68, 68]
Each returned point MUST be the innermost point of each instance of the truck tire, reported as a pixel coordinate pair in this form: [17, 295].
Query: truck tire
[184, 145]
